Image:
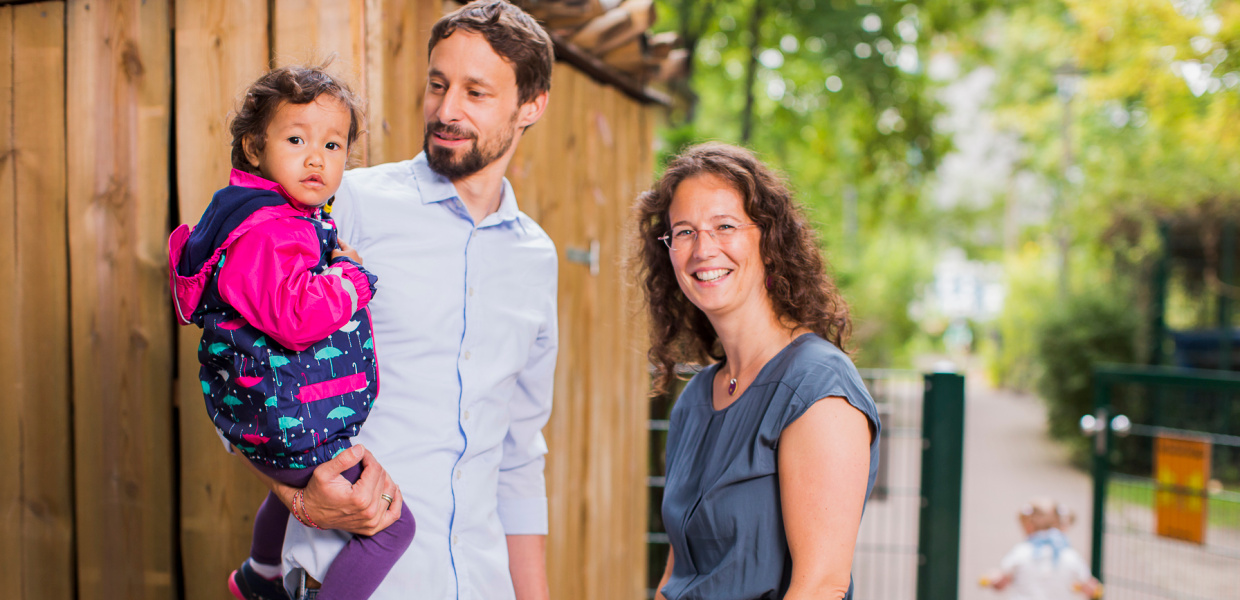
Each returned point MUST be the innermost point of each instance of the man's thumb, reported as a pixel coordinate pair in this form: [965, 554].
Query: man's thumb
[343, 461]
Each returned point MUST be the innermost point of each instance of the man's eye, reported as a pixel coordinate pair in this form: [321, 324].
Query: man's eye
[435, 86]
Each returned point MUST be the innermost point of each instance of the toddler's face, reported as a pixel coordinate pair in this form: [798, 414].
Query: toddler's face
[306, 149]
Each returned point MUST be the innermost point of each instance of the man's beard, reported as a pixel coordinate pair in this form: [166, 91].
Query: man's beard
[475, 159]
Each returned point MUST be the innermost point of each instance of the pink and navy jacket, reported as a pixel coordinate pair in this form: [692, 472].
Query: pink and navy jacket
[287, 353]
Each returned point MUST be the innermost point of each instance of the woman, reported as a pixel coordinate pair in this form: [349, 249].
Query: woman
[773, 449]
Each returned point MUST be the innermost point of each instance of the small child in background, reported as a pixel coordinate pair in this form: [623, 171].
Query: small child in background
[1044, 566]
[288, 362]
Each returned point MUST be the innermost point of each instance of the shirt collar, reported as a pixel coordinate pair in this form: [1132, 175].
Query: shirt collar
[255, 182]
[433, 187]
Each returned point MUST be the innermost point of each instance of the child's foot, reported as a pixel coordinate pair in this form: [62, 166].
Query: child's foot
[246, 584]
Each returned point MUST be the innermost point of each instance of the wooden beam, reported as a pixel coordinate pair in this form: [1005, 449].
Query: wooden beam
[10, 346]
[32, 168]
[590, 65]
[119, 91]
[221, 47]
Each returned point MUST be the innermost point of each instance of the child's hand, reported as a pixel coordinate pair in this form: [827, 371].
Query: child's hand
[347, 250]
[1091, 589]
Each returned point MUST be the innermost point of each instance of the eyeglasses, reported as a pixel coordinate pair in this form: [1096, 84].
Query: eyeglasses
[684, 238]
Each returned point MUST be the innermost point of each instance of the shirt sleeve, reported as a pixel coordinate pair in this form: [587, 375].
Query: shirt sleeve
[522, 497]
[267, 277]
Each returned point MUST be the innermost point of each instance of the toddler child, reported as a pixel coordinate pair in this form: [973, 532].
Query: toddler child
[288, 360]
[1044, 566]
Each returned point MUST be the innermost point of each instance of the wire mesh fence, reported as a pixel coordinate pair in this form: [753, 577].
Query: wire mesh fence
[1201, 560]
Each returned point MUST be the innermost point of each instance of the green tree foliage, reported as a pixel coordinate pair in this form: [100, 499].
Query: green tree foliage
[835, 94]
[1089, 329]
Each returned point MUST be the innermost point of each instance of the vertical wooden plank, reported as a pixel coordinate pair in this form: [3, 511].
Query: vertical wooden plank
[10, 346]
[221, 47]
[37, 156]
[308, 31]
[119, 83]
[396, 36]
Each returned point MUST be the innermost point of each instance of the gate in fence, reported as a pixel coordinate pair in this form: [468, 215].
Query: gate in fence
[1166, 482]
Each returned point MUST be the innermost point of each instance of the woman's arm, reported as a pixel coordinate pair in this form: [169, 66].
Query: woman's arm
[824, 466]
[667, 574]
[334, 503]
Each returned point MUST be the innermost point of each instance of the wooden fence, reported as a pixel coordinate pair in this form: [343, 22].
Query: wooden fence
[112, 130]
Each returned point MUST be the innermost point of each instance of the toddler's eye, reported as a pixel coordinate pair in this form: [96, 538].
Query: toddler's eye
[294, 140]
[333, 146]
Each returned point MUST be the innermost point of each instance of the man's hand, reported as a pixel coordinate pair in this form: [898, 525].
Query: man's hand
[334, 503]
[347, 250]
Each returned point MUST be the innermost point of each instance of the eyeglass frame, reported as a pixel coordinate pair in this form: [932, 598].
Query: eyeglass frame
[667, 238]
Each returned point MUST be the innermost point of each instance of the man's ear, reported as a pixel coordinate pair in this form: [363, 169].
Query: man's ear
[247, 144]
[531, 111]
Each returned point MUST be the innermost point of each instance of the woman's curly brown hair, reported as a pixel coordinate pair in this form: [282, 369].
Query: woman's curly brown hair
[800, 290]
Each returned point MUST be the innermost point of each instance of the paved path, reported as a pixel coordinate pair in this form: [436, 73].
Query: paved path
[1008, 460]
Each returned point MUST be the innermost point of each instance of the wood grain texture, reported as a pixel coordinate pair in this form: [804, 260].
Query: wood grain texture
[221, 47]
[396, 36]
[119, 84]
[37, 159]
[577, 173]
[10, 348]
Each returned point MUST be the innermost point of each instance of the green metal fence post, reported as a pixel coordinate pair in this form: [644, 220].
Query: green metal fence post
[1102, 467]
[942, 464]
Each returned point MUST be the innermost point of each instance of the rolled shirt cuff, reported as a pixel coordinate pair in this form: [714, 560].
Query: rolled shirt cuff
[523, 516]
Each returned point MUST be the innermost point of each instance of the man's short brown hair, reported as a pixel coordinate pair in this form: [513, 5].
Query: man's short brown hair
[512, 34]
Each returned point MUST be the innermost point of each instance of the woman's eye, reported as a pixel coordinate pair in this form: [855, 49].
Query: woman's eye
[725, 227]
[682, 233]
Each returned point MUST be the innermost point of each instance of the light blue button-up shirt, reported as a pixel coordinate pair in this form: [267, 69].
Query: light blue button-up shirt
[465, 333]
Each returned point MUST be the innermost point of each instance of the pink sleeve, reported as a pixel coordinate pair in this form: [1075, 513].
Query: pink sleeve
[266, 276]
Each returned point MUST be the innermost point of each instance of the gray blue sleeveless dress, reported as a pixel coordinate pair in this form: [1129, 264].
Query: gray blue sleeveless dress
[721, 504]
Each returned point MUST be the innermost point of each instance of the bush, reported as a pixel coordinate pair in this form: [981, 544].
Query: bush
[1087, 330]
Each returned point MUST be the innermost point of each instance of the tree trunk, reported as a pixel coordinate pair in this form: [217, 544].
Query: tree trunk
[751, 70]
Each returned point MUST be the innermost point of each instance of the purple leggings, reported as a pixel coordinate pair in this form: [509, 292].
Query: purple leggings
[362, 563]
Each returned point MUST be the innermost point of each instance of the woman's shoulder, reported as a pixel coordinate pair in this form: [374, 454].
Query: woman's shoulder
[814, 368]
[813, 358]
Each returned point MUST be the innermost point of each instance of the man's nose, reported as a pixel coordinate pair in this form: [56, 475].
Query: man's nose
[449, 110]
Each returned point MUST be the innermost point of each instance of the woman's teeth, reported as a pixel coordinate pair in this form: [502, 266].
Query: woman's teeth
[711, 275]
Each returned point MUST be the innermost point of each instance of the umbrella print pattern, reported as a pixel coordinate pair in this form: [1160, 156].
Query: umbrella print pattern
[256, 387]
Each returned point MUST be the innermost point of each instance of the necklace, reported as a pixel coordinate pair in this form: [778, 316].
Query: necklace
[732, 386]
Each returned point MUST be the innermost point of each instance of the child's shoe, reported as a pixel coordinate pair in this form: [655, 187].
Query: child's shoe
[246, 584]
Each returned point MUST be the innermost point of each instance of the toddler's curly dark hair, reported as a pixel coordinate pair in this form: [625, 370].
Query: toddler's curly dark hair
[295, 84]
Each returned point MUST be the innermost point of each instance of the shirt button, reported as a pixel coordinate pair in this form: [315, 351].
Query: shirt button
[458, 473]
[471, 292]
[455, 541]
[465, 416]
[467, 355]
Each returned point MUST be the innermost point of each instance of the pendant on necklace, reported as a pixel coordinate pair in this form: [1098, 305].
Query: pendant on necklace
[731, 387]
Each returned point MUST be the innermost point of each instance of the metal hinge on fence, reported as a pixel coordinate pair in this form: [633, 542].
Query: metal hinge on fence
[589, 258]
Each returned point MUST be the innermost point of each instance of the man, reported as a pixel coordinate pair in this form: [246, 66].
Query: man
[465, 333]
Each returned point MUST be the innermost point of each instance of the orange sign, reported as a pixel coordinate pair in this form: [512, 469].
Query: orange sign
[1181, 468]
